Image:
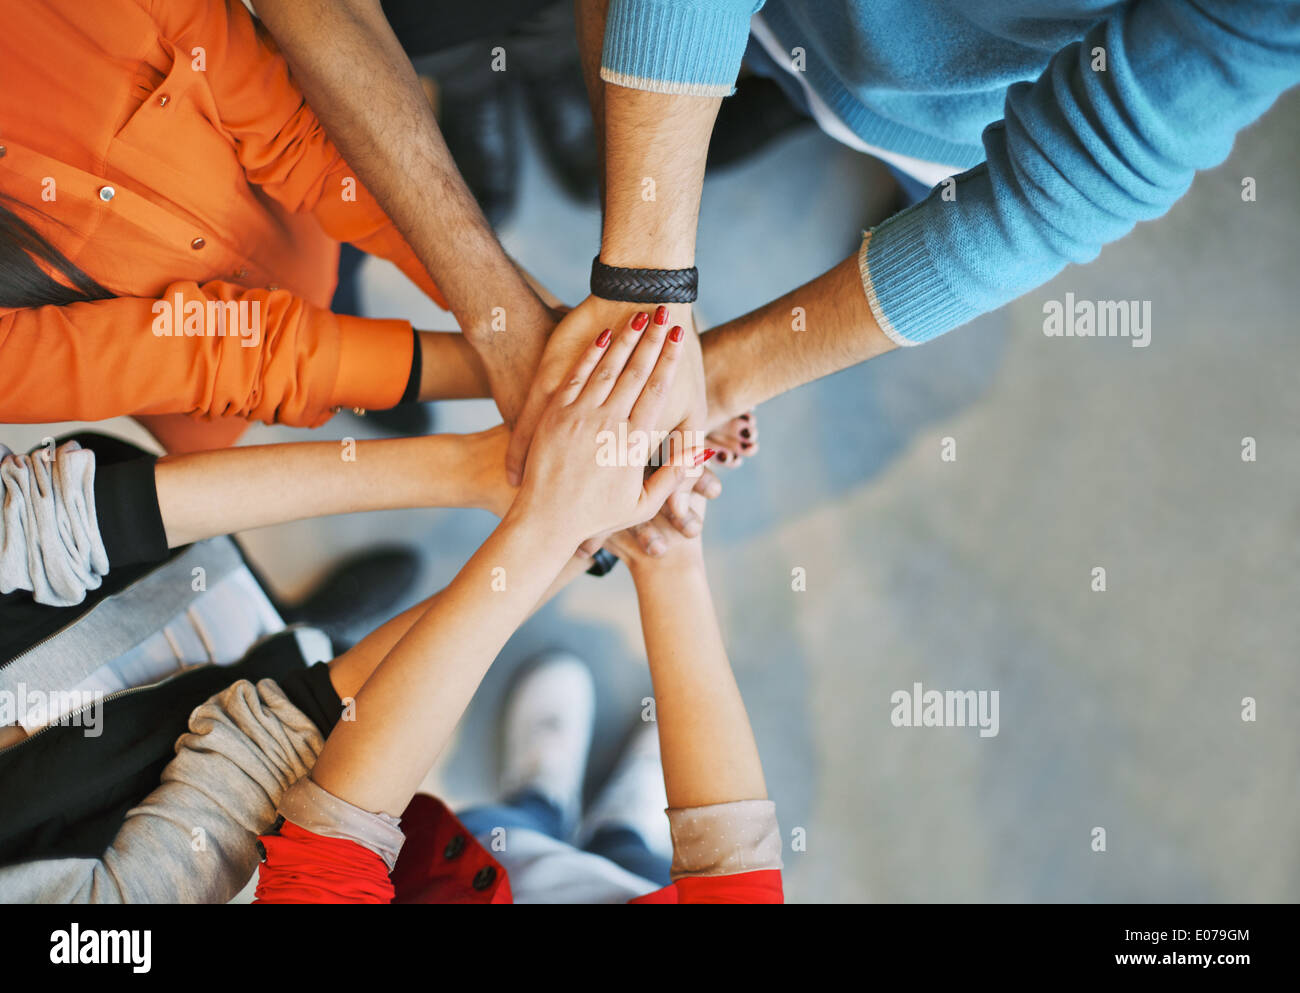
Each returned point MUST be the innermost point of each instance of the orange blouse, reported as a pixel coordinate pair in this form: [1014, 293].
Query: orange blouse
[163, 148]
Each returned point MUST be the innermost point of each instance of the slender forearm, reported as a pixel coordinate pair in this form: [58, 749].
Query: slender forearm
[362, 86]
[349, 672]
[235, 489]
[450, 368]
[820, 328]
[708, 749]
[407, 710]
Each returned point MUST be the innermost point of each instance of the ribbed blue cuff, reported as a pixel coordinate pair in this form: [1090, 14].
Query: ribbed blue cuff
[909, 295]
[690, 48]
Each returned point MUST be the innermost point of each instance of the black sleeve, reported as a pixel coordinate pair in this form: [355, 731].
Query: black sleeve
[412, 391]
[126, 500]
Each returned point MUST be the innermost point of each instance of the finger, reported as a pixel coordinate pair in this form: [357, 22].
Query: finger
[677, 509]
[615, 359]
[522, 435]
[661, 485]
[734, 431]
[640, 365]
[730, 459]
[593, 544]
[650, 538]
[580, 375]
[642, 400]
[738, 447]
[708, 485]
[681, 515]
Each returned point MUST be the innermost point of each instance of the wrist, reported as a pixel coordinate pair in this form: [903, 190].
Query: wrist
[721, 386]
[647, 250]
[535, 515]
[480, 459]
[683, 558]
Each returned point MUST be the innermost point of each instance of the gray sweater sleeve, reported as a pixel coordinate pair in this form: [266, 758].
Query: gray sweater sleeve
[49, 536]
[193, 839]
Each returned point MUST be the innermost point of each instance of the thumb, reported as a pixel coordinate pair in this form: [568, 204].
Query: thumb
[522, 435]
[667, 479]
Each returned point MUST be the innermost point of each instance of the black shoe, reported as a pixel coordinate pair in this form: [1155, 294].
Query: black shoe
[478, 124]
[406, 420]
[750, 119]
[347, 293]
[359, 593]
[558, 105]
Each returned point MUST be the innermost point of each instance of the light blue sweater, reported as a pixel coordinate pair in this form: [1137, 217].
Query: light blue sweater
[1074, 118]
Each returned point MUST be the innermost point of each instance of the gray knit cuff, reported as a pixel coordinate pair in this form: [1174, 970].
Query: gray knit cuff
[49, 536]
[321, 812]
[723, 839]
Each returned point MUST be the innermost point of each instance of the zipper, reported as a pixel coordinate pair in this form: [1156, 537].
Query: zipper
[151, 574]
[65, 719]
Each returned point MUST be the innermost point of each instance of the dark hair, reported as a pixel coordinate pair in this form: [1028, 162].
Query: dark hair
[23, 282]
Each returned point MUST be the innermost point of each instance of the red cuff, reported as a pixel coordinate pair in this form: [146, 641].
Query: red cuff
[761, 886]
[303, 867]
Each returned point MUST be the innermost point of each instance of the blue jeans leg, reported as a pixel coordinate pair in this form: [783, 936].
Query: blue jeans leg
[526, 809]
[625, 848]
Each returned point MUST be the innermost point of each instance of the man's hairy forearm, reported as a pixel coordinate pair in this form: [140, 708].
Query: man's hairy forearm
[362, 86]
[655, 151]
[820, 328]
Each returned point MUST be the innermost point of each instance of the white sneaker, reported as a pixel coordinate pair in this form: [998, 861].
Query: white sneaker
[547, 724]
[633, 796]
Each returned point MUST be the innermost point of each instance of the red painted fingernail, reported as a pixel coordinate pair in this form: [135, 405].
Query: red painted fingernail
[704, 456]
[676, 333]
[744, 432]
[603, 338]
[639, 322]
[722, 457]
[661, 315]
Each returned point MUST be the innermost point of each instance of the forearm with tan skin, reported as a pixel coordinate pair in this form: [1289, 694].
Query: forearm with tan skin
[817, 329]
[349, 672]
[707, 746]
[358, 80]
[450, 369]
[235, 489]
[409, 705]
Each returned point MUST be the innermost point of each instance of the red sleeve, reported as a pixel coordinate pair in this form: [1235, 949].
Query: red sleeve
[303, 867]
[762, 886]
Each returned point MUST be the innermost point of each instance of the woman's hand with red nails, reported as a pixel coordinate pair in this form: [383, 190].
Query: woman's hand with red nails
[685, 407]
[586, 470]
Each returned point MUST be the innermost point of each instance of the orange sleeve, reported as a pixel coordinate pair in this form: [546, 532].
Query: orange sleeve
[279, 140]
[217, 349]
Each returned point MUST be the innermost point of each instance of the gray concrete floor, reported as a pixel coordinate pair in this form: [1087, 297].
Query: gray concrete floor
[1119, 710]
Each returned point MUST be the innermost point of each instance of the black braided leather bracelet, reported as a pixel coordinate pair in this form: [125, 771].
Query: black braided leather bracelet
[644, 285]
